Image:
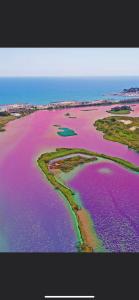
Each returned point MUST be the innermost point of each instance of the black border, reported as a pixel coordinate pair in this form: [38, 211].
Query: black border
[69, 24]
[31, 276]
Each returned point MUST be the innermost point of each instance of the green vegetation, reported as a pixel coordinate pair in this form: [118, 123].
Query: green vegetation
[63, 131]
[4, 114]
[88, 239]
[68, 164]
[4, 120]
[59, 186]
[120, 112]
[122, 129]
[61, 152]
[6, 117]
[44, 161]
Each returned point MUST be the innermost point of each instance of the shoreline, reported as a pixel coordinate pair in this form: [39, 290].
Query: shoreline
[120, 129]
[4, 120]
[66, 104]
[25, 109]
[89, 240]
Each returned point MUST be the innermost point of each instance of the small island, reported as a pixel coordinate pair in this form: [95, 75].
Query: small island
[56, 125]
[67, 114]
[64, 131]
[120, 110]
[122, 129]
[61, 159]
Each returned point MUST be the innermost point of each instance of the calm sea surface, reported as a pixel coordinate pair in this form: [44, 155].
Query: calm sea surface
[43, 90]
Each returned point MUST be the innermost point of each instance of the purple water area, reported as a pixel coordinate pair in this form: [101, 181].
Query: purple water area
[33, 217]
[111, 194]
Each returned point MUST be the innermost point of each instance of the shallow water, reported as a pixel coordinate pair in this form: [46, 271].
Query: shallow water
[112, 199]
[65, 132]
[33, 216]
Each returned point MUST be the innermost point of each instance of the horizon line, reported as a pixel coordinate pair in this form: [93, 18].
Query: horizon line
[64, 76]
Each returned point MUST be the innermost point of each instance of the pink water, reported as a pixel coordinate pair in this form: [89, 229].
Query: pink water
[33, 216]
[111, 194]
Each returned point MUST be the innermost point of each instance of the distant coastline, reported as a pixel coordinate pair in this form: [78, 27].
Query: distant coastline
[45, 90]
[10, 112]
[16, 108]
[131, 92]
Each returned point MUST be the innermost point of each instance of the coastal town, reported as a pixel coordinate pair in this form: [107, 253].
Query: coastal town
[19, 110]
[10, 112]
[131, 92]
[16, 110]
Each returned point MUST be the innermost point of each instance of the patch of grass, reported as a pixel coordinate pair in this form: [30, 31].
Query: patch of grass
[68, 164]
[60, 152]
[116, 131]
[44, 161]
[120, 112]
[4, 120]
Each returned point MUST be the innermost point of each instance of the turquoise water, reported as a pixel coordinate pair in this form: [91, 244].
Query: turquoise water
[44, 90]
[63, 131]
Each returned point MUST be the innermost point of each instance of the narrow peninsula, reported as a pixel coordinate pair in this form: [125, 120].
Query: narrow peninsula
[65, 159]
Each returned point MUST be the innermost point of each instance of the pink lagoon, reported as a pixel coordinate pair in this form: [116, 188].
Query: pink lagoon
[34, 217]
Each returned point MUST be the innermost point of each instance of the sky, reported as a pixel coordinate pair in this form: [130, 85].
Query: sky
[69, 62]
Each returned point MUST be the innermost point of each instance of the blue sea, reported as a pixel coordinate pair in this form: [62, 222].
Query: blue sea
[43, 90]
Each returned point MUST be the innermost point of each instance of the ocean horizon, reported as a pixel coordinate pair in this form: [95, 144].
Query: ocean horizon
[44, 90]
